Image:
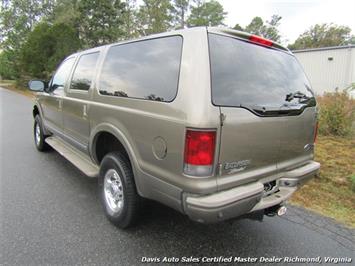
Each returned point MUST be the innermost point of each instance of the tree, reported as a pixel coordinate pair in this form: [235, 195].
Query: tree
[100, 21]
[155, 16]
[268, 30]
[17, 19]
[209, 13]
[238, 27]
[324, 35]
[272, 31]
[7, 70]
[180, 9]
[130, 19]
[48, 45]
[65, 12]
[66, 42]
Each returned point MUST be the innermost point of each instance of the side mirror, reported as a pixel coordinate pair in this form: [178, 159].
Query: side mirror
[36, 85]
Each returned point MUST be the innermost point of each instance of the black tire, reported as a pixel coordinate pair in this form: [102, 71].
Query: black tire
[40, 144]
[126, 215]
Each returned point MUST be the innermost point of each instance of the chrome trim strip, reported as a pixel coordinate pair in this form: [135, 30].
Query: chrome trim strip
[83, 147]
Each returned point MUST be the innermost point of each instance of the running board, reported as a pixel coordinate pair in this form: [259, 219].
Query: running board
[76, 157]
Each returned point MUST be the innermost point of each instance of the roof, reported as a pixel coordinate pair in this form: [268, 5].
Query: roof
[221, 30]
[324, 48]
[242, 34]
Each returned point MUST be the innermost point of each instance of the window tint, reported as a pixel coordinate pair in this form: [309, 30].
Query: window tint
[84, 72]
[248, 74]
[62, 73]
[145, 69]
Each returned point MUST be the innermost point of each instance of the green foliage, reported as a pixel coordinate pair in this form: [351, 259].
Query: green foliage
[272, 31]
[267, 30]
[38, 45]
[323, 35]
[48, 45]
[17, 18]
[130, 20]
[66, 43]
[96, 22]
[352, 180]
[256, 26]
[180, 9]
[155, 16]
[209, 13]
[65, 12]
[100, 21]
[8, 69]
[336, 114]
[238, 27]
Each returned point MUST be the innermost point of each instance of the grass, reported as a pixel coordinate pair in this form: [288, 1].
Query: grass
[332, 193]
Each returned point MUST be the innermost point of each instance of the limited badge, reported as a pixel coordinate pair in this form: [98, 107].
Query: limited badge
[236, 166]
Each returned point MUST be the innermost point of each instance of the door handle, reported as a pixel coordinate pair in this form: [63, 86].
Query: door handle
[85, 110]
[60, 104]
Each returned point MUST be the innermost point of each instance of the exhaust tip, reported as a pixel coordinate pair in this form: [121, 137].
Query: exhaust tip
[281, 211]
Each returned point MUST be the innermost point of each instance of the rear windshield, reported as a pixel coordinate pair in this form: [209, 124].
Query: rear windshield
[245, 74]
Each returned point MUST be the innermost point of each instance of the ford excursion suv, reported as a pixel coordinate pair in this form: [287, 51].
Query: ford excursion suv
[212, 122]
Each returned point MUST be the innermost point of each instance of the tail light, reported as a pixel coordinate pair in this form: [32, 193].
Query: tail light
[260, 40]
[315, 133]
[199, 152]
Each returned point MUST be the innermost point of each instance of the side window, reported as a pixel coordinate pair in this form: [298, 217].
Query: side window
[62, 73]
[144, 69]
[84, 72]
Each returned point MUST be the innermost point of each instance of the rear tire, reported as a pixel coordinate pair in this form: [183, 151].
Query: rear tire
[118, 191]
[39, 136]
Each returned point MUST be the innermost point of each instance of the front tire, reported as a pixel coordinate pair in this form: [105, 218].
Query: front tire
[38, 135]
[117, 190]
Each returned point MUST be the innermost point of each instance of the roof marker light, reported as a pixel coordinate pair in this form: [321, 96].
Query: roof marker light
[260, 40]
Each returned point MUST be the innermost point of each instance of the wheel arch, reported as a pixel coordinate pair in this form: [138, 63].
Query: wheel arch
[120, 137]
[116, 133]
[37, 110]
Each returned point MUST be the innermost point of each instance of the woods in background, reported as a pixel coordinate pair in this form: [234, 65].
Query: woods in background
[36, 35]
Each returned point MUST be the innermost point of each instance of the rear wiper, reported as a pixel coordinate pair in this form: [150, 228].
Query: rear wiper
[256, 108]
[294, 95]
[275, 110]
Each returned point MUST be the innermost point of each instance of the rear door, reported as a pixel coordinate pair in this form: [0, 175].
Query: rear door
[76, 105]
[267, 109]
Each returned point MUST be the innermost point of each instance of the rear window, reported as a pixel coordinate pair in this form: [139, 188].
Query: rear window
[245, 74]
[84, 72]
[145, 69]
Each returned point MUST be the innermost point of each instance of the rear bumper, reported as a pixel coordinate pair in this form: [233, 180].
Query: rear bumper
[247, 198]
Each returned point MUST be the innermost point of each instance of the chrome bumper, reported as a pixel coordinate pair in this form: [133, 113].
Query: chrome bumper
[247, 198]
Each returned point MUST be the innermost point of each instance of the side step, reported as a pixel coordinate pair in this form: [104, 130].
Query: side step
[76, 157]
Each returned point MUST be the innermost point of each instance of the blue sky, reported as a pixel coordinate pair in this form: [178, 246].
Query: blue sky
[297, 16]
